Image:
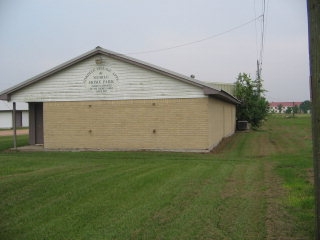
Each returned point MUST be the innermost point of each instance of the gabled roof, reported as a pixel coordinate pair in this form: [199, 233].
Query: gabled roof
[208, 90]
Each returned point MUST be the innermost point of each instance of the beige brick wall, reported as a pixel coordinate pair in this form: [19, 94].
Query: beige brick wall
[229, 119]
[222, 121]
[165, 124]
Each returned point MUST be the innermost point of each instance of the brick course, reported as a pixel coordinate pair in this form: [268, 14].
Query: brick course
[161, 124]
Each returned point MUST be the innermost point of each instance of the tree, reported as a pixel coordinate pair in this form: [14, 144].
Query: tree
[254, 107]
[295, 109]
[280, 106]
[288, 110]
[305, 106]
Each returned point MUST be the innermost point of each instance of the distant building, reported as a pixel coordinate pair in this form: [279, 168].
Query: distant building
[22, 115]
[274, 106]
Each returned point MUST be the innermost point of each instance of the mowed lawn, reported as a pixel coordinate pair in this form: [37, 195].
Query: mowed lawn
[256, 185]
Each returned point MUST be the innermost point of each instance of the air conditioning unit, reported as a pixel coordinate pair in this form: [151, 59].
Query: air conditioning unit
[242, 125]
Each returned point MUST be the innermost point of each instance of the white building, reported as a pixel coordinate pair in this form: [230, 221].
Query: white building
[108, 101]
[22, 115]
[274, 106]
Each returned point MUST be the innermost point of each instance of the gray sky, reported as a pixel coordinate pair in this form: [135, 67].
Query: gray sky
[36, 35]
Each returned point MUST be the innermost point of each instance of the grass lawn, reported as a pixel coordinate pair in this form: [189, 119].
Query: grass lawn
[257, 185]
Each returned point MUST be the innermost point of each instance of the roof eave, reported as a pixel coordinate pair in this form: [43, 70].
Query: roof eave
[221, 95]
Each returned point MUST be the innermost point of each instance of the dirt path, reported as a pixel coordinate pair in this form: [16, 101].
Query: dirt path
[10, 132]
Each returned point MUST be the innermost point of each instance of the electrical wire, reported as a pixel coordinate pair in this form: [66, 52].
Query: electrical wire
[198, 41]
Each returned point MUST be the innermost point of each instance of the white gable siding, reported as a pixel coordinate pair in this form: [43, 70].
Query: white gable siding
[133, 83]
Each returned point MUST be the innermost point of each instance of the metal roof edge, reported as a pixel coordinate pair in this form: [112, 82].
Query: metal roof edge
[221, 94]
[237, 101]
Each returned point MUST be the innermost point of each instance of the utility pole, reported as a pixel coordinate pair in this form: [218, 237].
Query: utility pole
[14, 125]
[313, 7]
[258, 77]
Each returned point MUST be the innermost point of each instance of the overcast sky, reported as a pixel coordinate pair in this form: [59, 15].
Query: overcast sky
[36, 35]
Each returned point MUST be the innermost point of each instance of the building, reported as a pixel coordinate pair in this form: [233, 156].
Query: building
[108, 101]
[6, 113]
[274, 106]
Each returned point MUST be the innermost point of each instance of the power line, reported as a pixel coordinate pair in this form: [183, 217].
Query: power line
[200, 40]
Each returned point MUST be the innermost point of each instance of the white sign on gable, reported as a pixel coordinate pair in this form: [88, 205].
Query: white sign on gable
[101, 79]
[109, 80]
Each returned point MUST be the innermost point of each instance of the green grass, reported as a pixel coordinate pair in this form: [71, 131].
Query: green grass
[7, 141]
[294, 165]
[258, 179]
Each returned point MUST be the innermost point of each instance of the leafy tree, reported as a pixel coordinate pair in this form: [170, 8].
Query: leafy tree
[295, 109]
[280, 106]
[305, 106]
[254, 107]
